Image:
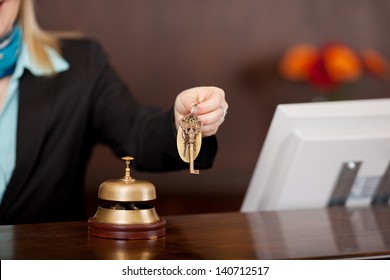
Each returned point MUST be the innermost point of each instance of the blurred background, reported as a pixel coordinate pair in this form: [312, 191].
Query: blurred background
[161, 47]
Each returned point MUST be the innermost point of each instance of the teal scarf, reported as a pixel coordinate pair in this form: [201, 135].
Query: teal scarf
[10, 47]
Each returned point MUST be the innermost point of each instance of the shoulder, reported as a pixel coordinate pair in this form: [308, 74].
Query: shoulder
[71, 44]
[81, 48]
[84, 54]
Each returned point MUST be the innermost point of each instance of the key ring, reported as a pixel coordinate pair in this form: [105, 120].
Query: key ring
[224, 113]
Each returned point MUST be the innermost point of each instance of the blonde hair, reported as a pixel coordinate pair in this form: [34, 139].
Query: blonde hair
[36, 38]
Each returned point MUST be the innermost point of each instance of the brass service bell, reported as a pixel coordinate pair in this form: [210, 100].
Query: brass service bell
[125, 215]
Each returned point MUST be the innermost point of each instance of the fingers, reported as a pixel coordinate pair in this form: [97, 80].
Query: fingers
[210, 99]
[213, 117]
[209, 130]
[207, 103]
[212, 111]
[211, 121]
[224, 112]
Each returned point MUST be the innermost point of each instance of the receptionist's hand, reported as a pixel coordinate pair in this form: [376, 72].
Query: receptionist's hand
[208, 103]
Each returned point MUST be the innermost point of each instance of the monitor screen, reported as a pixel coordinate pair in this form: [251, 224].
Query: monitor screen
[323, 154]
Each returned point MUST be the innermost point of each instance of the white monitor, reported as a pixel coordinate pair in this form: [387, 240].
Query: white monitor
[320, 153]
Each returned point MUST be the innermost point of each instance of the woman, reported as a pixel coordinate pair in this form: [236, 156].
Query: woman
[58, 98]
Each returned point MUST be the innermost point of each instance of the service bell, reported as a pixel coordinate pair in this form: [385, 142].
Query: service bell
[125, 215]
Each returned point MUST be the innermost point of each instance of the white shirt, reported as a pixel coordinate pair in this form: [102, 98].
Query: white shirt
[9, 113]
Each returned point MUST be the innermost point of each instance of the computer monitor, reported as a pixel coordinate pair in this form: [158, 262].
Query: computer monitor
[322, 154]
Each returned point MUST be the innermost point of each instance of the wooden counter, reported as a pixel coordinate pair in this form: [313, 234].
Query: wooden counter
[300, 234]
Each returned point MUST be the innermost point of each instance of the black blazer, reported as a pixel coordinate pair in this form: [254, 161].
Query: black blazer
[61, 118]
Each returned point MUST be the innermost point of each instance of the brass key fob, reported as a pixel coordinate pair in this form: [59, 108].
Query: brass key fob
[189, 139]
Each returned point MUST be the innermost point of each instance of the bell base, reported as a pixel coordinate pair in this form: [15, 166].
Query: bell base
[127, 231]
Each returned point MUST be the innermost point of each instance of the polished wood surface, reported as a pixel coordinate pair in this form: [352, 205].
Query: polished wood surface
[300, 234]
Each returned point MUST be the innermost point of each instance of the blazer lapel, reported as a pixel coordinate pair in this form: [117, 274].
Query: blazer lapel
[35, 97]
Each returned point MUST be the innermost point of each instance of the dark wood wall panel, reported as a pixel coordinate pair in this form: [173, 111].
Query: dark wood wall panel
[160, 47]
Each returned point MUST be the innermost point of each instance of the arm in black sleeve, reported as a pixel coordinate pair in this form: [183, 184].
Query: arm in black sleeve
[129, 128]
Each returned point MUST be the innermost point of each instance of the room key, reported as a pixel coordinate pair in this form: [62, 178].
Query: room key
[189, 139]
